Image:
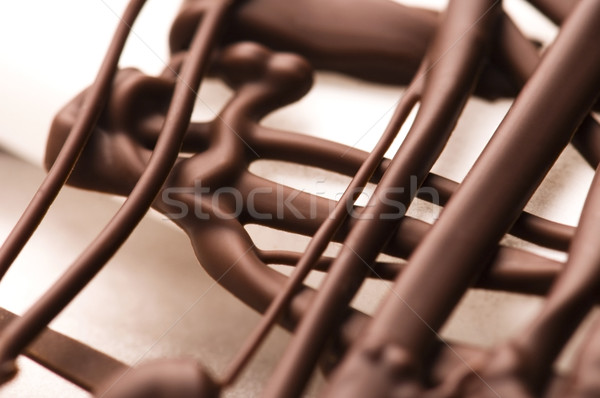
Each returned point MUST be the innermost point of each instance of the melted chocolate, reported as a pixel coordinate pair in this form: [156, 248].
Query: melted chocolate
[401, 333]
[133, 127]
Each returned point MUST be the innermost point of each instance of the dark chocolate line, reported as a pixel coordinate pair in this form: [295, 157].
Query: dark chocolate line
[466, 30]
[73, 146]
[537, 128]
[21, 332]
[274, 144]
[521, 58]
[532, 352]
[396, 353]
[68, 358]
[324, 234]
[510, 270]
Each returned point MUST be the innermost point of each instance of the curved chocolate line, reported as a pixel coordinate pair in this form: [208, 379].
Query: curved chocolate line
[129, 86]
[70, 359]
[377, 40]
[287, 146]
[467, 31]
[215, 164]
[71, 149]
[21, 332]
[325, 233]
[521, 59]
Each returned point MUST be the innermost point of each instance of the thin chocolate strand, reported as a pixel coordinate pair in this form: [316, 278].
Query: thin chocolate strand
[325, 233]
[535, 278]
[465, 32]
[21, 332]
[390, 35]
[537, 128]
[72, 148]
[292, 147]
[511, 270]
[222, 163]
[275, 144]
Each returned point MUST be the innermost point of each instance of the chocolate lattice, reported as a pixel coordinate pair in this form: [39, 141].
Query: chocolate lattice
[130, 134]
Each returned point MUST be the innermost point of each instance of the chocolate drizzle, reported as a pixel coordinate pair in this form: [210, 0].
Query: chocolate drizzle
[128, 134]
[405, 326]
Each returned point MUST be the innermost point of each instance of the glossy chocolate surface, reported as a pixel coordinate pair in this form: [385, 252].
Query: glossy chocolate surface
[135, 139]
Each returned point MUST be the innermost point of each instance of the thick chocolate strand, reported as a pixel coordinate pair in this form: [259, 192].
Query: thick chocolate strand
[21, 332]
[511, 270]
[537, 128]
[377, 40]
[524, 363]
[556, 10]
[70, 359]
[521, 58]
[411, 28]
[165, 378]
[275, 144]
[221, 151]
[465, 33]
[324, 234]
